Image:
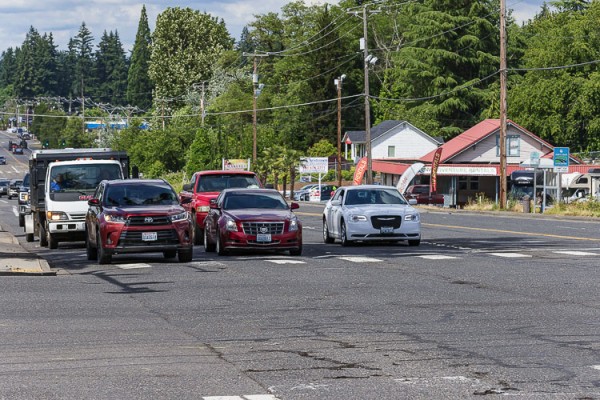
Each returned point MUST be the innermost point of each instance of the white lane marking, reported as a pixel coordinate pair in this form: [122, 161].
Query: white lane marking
[286, 261]
[15, 211]
[511, 255]
[576, 253]
[243, 397]
[133, 266]
[360, 259]
[437, 257]
[596, 367]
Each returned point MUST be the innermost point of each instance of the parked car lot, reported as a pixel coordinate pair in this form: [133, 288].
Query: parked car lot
[252, 219]
[371, 213]
[303, 194]
[137, 216]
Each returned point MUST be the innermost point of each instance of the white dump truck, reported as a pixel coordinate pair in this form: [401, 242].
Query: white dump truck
[61, 183]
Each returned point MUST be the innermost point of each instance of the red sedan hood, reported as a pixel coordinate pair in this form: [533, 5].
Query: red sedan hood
[259, 214]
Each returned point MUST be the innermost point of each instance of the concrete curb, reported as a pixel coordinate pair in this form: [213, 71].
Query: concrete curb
[15, 260]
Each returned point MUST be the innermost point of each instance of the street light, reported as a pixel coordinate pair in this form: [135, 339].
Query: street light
[338, 83]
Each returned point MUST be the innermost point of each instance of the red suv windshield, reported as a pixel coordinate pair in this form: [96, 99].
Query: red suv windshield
[217, 183]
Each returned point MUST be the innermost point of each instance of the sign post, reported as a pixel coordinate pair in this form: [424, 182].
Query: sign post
[561, 164]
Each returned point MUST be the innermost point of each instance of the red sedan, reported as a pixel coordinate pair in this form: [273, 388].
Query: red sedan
[251, 219]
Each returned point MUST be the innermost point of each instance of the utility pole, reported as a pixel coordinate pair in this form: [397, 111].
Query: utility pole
[503, 106]
[254, 96]
[338, 83]
[367, 102]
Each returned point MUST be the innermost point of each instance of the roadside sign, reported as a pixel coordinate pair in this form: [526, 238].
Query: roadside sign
[561, 159]
[534, 158]
[314, 165]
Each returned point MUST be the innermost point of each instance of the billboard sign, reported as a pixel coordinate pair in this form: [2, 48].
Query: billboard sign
[314, 165]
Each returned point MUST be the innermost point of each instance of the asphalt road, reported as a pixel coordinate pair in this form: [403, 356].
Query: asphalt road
[486, 305]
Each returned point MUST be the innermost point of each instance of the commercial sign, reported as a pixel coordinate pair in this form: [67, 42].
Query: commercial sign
[561, 159]
[462, 171]
[314, 165]
[236, 164]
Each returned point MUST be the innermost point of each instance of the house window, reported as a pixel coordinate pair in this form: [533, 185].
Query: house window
[513, 145]
[391, 151]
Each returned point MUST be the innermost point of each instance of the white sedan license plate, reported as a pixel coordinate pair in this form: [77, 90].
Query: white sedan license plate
[263, 237]
[387, 229]
[149, 236]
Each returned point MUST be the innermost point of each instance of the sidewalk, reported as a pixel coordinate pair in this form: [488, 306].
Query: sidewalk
[15, 260]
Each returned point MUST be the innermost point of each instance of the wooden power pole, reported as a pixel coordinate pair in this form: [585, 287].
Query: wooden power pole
[503, 105]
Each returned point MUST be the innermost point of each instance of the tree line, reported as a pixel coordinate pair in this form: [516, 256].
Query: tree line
[437, 68]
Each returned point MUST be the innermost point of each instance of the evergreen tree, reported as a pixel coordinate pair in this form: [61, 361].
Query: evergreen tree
[82, 53]
[139, 85]
[8, 67]
[111, 69]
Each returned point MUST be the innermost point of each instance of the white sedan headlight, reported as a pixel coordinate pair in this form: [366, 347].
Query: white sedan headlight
[358, 218]
[411, 217]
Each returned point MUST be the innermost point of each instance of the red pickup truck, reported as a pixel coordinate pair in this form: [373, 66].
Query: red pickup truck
[207, 185]
[422, 195]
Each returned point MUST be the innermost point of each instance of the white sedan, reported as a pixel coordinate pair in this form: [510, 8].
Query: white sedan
[371, 213]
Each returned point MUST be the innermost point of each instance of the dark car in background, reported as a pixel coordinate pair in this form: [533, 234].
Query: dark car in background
[13, 188]
[137, 216]
[252, 219]
[24, 206]
[4, 187]
[2, 160]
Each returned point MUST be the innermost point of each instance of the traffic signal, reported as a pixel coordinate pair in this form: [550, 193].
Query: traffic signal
[46, 143]
[63, 143]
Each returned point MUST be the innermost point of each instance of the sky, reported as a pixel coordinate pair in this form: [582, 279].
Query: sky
[63, 18]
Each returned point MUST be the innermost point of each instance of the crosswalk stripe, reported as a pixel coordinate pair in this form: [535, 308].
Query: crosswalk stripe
[360, 259]
[511, 255]
[286, 261]
[437, 257]
[576, 253]
[133, 266]
[243, 397]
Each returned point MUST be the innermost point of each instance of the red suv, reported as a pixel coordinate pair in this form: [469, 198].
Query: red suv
[137, 216]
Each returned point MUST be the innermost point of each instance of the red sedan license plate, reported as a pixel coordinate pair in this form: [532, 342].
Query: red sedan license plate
[149, 236]
[263, 237]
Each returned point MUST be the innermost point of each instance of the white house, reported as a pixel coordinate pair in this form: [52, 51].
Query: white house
[390, 140]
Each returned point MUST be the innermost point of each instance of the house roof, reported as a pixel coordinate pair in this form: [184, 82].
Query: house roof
[473, 136]
[381, 129]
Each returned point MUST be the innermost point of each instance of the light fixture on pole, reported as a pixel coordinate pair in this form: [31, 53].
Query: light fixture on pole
[338, 84]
